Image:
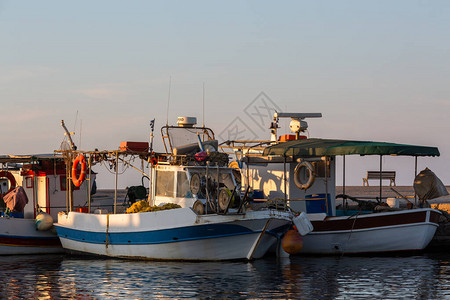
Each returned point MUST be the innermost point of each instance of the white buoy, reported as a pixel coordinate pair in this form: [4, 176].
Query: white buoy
[43, 221]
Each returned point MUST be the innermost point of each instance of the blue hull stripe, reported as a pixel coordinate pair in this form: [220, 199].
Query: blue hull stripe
[156, 236]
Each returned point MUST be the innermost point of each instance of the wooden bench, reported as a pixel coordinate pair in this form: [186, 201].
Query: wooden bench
[388, 175]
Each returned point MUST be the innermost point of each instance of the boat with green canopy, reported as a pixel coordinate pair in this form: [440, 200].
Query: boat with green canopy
[302, 172]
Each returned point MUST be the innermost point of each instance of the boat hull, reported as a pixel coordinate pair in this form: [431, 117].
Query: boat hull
[408, 230]
[19, 236]
[177, 234]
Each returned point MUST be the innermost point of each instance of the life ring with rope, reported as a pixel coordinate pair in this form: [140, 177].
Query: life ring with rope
[78, 180]
[12, 181]
[311, 175]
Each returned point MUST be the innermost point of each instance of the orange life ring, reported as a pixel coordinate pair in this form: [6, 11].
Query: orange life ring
[12, 180]
[78, 180]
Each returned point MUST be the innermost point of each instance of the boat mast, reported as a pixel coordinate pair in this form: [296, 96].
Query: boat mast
[68, 134]
[68, 166]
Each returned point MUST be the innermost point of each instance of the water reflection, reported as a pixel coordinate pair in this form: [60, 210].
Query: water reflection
[59, 276]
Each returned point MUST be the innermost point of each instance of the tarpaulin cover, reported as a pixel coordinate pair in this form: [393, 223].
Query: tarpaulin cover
[323, 147]
[16, 199]
[428, 186]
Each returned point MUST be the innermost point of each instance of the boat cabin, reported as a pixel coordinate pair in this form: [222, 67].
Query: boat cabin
[44, 180]
[192, 169]
[184, 185]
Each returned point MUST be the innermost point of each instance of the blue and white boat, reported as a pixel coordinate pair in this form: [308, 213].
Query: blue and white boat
[212, 221]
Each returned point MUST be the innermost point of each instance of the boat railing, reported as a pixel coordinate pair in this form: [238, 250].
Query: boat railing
[231, 146]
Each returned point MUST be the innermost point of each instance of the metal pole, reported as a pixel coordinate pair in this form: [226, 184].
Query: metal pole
[67, 162]
[35, 194]
[117, 175]
[69, 183]
[218, 188]
[415, 174]
[343, 183]
[89, 183]
[326, 185]
[381, 180]
[248, 171]
[285, 184]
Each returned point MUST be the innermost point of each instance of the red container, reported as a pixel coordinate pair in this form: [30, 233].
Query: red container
[286, 137]
[290, 137]
[134, 146]
[83, 209]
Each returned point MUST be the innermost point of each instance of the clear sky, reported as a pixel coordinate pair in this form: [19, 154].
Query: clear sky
[377, 70]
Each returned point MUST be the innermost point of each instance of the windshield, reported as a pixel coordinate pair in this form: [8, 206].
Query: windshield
[182, 136]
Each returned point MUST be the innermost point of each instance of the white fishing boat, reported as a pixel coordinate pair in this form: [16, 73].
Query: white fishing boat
[208, 220]
[302, 171]
[41, 181]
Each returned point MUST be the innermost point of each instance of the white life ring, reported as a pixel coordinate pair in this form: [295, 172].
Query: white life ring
[311, 175]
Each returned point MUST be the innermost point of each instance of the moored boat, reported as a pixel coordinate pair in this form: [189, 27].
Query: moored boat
[302, 171]
[207, 219]
[382, 232]
[42, 181]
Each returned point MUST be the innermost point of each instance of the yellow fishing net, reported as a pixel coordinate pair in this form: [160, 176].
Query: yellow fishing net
[142, 206]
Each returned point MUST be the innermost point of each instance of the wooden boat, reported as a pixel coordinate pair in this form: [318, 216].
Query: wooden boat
[394, 231]
[44, 181]
[302, 171]
[209, 221]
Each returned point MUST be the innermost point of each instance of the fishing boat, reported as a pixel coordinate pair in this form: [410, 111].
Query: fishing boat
[302, 172]
[207, 218]
[41, 181]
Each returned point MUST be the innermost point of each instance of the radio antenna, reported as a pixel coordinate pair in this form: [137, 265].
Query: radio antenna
[81, 127]
[168, 101]
[203, 104]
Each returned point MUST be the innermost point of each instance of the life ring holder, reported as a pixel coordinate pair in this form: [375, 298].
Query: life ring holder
[311, 175]
[12, 181]
[78, 180]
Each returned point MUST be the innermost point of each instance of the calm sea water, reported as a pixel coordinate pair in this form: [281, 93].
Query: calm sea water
[62, 276]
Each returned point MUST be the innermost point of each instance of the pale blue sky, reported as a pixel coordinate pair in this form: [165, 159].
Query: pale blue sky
[377, 70]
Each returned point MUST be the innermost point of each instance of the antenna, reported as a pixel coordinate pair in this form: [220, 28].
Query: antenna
[203, 105]
[81, 127]
[76, 119]
[168, 101]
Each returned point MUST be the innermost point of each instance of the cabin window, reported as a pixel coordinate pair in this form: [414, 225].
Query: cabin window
[28, 182]
[165, 183]
[4, 186]
[319, 168]
[63, 184]
[183, 189]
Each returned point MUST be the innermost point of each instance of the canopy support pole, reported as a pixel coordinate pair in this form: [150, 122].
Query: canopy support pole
[381, 180]
[285, 184]
[326, 188]
[343, 183]
[69, 184]
[415, 174]
[89, 182]
[116, 179]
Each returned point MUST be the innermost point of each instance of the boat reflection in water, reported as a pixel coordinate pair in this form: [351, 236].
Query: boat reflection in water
[57, 276]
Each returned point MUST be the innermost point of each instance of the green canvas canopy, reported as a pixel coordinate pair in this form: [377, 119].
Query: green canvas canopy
[327, 147]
